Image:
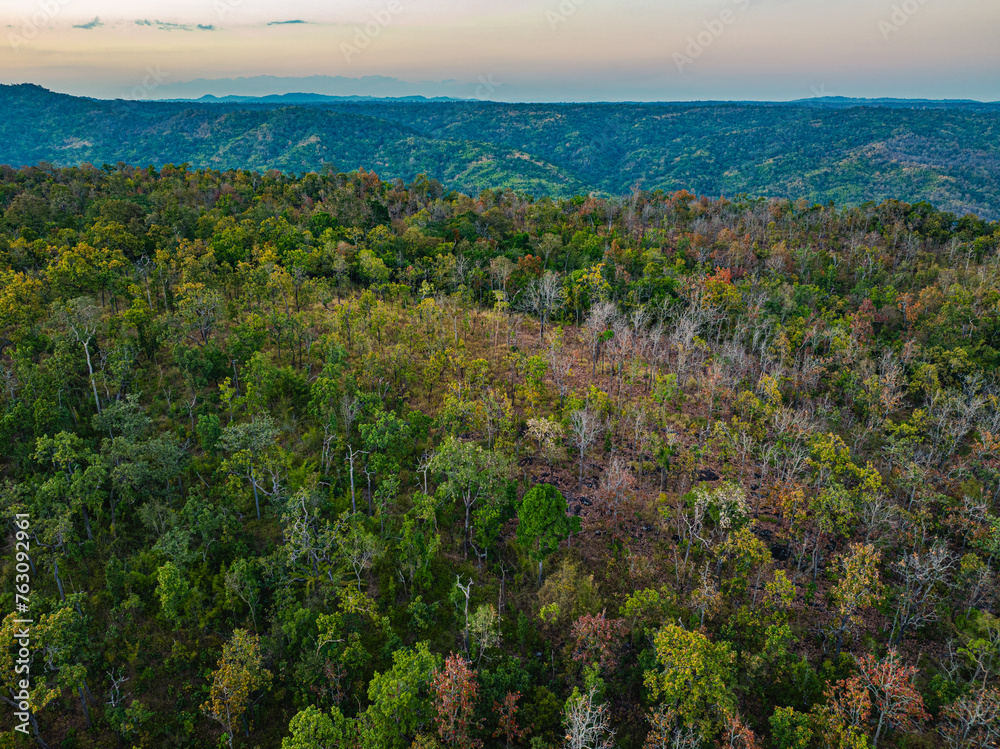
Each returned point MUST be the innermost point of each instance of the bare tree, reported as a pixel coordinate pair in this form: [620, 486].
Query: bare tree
[876, 513]
[585, 428]
[350, 407]
[541, 296]
[596, 327]
[83, 317]
[466, 591]
[360, 547]
[501, 269]
[972, 720]
[588, 724]
[666, 732]
[619, 348]
[353, 455]
[199, 309]
[617, 483]
[117, 678]
[560, 365]
[921, 575]
[681, 340]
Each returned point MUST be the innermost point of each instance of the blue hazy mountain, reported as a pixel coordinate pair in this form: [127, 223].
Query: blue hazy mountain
[847, 151]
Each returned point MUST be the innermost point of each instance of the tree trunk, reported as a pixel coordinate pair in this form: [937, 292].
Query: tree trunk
[90, 368]
[62, 595]
[468, 507]
[31, 719]
[86, 522]
[83, 703]
[354, 506]
[256, 499]
[34, 727]
[881, 720]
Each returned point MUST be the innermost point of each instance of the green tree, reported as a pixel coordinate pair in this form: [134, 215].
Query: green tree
[790, 729]
[419, 542]
[542, 522]
[472, 475]
[253, 455]
[313, 729]
[78, 475]
[172, 590]
[385, 439]
[400, 699]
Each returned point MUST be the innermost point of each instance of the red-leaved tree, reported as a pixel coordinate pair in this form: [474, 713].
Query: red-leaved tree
[507, 719]
[737, 734]
[455, 691]
[890, 684]
[597, 639]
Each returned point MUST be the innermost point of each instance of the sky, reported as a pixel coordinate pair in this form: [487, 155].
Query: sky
[507, 50]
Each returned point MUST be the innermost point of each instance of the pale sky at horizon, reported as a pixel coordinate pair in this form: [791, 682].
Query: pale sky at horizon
[531, 50]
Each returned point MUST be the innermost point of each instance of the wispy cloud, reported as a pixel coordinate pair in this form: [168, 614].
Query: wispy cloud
[90, 24]
[285, 23]
[166, 26]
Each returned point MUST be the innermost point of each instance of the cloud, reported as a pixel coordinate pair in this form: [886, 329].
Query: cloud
[164, 26]
[90, 24]
[285, 23]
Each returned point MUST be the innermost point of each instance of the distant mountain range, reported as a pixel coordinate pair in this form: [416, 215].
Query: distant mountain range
[337, 86]
[823, 101]
[845, 101]
[300, 98]
[846, 150]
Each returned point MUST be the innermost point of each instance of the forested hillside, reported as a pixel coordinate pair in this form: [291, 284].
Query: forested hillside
[946, 154]
[330, 461]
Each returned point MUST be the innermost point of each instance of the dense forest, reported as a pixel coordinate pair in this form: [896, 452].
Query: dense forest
[846, 151]
[329, 461]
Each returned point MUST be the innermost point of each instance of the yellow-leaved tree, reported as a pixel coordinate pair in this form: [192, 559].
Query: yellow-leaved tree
[49, 657]
[240, 674]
